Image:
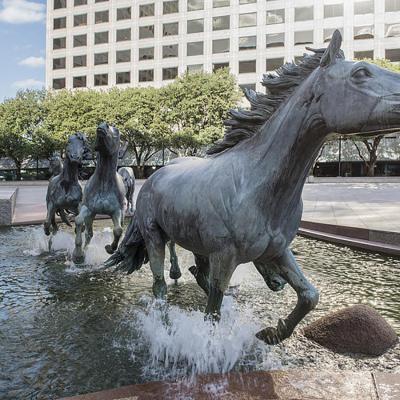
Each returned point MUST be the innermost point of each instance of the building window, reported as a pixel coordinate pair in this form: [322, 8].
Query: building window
[59, 43]
[303, 37]
[170, 29]
[146, 32]
[275, 16]
[247, 43]
[146, 53]
[248, 86]
[364, 7]
[59, 83]
[220, 23]
[192, 69]
[146, 10]
[101, 37]
[221, 3]
[273, 64]
[59, 63]
[122, 56]
[303, 13]
[123, 34]
[122, 78]
[60, 4]
[275, 39]
[59, 23]
[247, 1]
[392, 5]
[360, 55]
[217, 66]
[79, 61]
[195, 49]
[79, 81]
[249, 19]
[392, 30]
[170, 7]
[101, 59]
[101, 17]
[328, 33]
[80, 20]
[80, 2]
[333, 10]
[100, 1]
[193, 5]
[392, 55]
[80, 40]
[146, 75]
[169, 73]
[195, 25]
[363, 32]
[123, 13]
[101, 80]
[170, 50]
[246, 67]
[220, 46]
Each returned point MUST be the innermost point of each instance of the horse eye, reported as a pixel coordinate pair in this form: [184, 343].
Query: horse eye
[361, 73]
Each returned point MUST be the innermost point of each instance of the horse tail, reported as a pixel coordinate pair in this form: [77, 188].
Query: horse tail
[131, 253]
[63, 215]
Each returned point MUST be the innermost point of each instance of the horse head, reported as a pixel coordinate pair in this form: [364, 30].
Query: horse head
[77, 148]
[107, 140]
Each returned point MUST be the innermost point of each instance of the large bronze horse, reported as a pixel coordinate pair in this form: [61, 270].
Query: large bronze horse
[243, 203]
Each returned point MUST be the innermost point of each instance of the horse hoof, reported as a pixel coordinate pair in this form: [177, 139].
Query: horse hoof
[109, 249]
[194, 270]
[273, 336]
[175, 275]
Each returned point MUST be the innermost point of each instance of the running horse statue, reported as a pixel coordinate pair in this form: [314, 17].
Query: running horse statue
[104, 193]
[243, 203]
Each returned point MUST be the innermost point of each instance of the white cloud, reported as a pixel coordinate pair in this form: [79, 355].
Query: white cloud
[34, 62]
[21, 11]
[28, 84]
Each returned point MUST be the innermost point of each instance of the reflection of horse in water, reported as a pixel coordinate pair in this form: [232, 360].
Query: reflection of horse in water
[64, 192]
[128, 178]
[244, 203]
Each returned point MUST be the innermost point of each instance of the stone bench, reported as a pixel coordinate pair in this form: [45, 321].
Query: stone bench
[8, 197]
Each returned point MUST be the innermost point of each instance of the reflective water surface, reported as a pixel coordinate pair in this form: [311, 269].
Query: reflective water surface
[66, 330]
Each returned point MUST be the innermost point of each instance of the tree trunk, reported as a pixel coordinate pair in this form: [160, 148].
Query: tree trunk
[18, 167]
[140, 169]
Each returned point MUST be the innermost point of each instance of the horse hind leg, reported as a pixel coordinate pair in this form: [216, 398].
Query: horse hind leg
[201, 272]
[88, 228]
[174, 272]
[78, 256]
[117, 219]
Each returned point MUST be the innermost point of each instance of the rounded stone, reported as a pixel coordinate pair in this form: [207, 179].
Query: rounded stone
[357, 329]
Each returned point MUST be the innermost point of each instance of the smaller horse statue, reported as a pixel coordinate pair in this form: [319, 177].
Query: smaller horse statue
[103, 194]
[64, 192]
[129, 182]
[55, 166]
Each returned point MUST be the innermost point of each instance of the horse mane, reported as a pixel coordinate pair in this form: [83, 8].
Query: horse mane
[242, 124]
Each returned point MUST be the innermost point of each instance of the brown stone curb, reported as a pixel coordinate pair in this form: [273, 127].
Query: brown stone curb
[264, 385]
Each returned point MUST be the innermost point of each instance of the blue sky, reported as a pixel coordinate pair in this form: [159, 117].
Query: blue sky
[22, 45]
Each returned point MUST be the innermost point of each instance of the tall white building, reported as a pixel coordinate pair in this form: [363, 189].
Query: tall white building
[102, 43]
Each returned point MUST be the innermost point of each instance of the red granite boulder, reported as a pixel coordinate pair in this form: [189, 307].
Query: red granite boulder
[356, 329]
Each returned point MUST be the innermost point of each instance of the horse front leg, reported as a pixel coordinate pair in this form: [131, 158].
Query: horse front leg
[117, 218]
[174, 272]
[78, 256]
[201, 272]
[88, 228]
[307, 299]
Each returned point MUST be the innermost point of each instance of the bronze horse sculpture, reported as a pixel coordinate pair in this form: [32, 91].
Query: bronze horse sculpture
[243, 203]
[128, 178]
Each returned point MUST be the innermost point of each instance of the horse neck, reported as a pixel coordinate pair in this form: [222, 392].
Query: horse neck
[70, 171]
[106, 167]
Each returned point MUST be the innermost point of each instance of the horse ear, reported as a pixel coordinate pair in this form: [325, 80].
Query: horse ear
[333, 51]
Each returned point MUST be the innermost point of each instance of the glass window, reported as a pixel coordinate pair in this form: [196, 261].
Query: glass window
[60, 23]
[195, 48]
[122, 56]
[122, 78]
[146, 10]
[392, 30]
[123, 34]
[275, 39]
[303, 13]
[79, 81]
[333, 10]
[170, 7]
[123, 13]
[328, 33]
[101, 58]
[169, 73]
[247, 1]
[59, 83]
[217, 66]
[274, 63]
[195, 25]
[80, 40]
[194, 68]
[193, 5]
[100, 17]
[170, 29]
[170, 50]
[100, 1]
[221, 3]
[59, 63]
[101, 80]
[220, 46]
[80, 2]
[59, 43]
[146, 53]
[275, 16]
[248, 86]
[392, 55]
[222, 22]
[146, 75]
[303, 37]
[246, 67]
[249, 19]
[247, 43]
[80, 20]
[364, 7]
[364, 32]
[360, 55]
[60, 4]
[392, 5]
[146, 32]
[101, 37]
[79, 61]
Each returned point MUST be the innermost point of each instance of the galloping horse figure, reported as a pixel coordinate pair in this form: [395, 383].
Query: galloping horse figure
[104, 193]
[64, 192]
[243, 203]
[128, 178]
